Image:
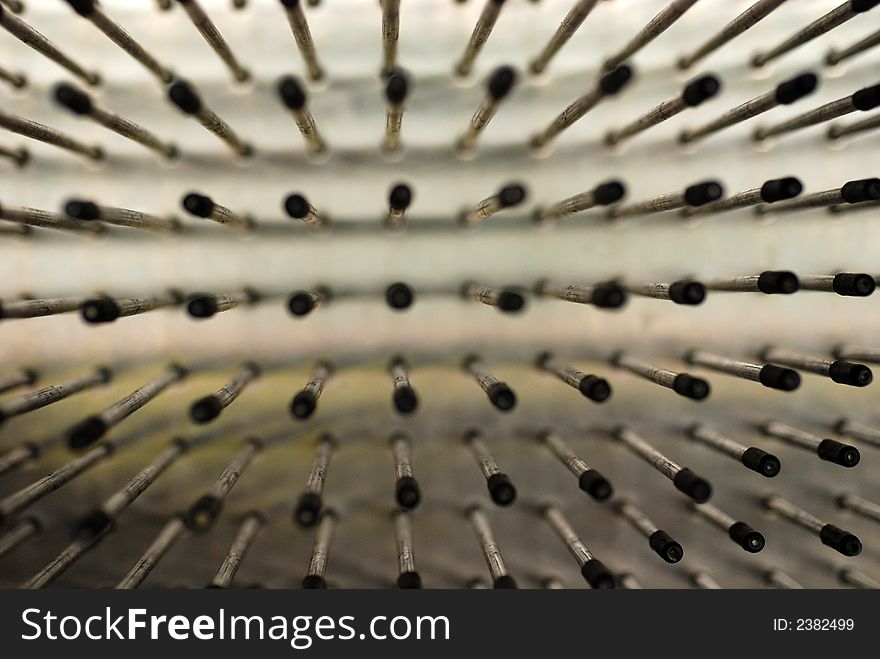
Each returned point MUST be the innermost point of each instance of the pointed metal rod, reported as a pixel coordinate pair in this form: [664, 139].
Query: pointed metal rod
[657, 26]
[53, 393]
[212, 36]
[570, 24]
[42, 133]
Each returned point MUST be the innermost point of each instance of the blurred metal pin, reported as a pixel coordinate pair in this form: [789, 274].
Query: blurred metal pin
[491, 552]
[407, 576]
[840, 371]
[772, 192]
[24, 530]
[686, 292]
[769, 282]
[684, 384]
[88, 211]
[53, 393]
[829, 450]
[304, 403]
[500, 83]
[17, 80]
[35, 217]
[245, 535]
[867, 509]
[406, 488]
[299, 208]
[212, 35]
[628, 581]
[858, 579]
[837, 131]
[105, 309]
[303, 36]
[314, 578]
[836, 56]
[24, 378]
[60, 564]
[482, 30]
[606, 295]
[396, 91]
[741, 533]
[208, 408]
[508, 300]
[698, 194]
[852, 192]
[779, 579]
[207, 305]
[592, 569]
[589, 480]
[308, 507]
[841, 541]
[660, 541]
[508, 196]
[199, 205]
[187, 99]
[294, 97]
[501, 489]
[657, 26]
[20, 157]
[847, 284]
[302, 303]
[399, 199]
[770, 375]
[858, 353]
[751, 457]
[703, 580]
[404, 395]
[48, 135]
[858, 431]
[390, 35]
[170, 533]
[15, 6]
[603, 194]
[500, 395]
[570, 24]
[590, 386]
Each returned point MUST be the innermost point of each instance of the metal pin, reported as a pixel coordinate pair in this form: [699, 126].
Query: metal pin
[26, 529]
[91, 11]
[686, 481]
[396, 91]
[302, 303]
[860, 353]
[606, 295]
[779, 579]
[107, 309]
[657, 26]
[770, 375]
[868, 205]
[92, 428]
[390, 35]
[300, 28]
[407, 577]
[848, 284]
[827, 449]
[552, 583]
[480, 35]
[321, 551]
[769, 282]
[10, 229]
[199, 205]
[687, 292]
[202, 514]
[404, 395]
[247, 532]
[698, 194]
[187, 99]
[740, 532]
[786, 93]
[608, 85]
[47, 135]
[20, 157]
[865, 508]
[36, 217]
[166, 538]
[508, 300]
[477, 583]
[207, 305]
[500, 487]
[59, 565]
[17, 80]
[852, 192]
[834, 18]
[863, 100]
[500, 83]
[592, 569]
[836, 56]
[840, 370]
[509, 196]
[694, 94]
[858, 431]
[208, 408]
[399, 199]
[14, 5]
[30, 37]
[491, 552]
[24, 378]
[406, 488]
[836, 131]
[303, 405]
[88, 211]
[660, 541]
[749, 18]
[751, 457]
[53, 393]
[603, 194]
[773, 191]
[832, 536]
[308, 506]
[164, 5]
[212, 35]
[399, 296]
[591, 386]
[589, 480]
[570, 24]
[628, 581]
[704, 580]
[500, 395]
[81, 104]
[294, 97]
[299, 208]
[16, 457]
[858, 579]
[684, 384]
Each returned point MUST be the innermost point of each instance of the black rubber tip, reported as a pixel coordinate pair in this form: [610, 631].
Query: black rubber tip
[609, 296]
[397, 87]
[502, 81]
[665, 547]
[203, 513]
[290, 3]
[93, 524]
[746, 537]
[778, 282]
[81, 209]
[303, 405]
[596, 389]
[779, 377]
[198, 204]
[86, 432]
[596, 485]
[501, 489]
[407, 492]
[205, 409]
[609, 193]
[505, 581]
[400, 197]
[855, 375]
[201, 306]
[855, 192]
[843, 541]
[613, 81]
[867, 99]
[796, 88]
[99, 310]
[694, 486]
[409, 581]
[399, 296]
[690, 293]
[184, 96]
[780, 189]
[502, 396]
[511, 301]
[292, 93]
[82, 7]
[73, 99]
[308, 509]
[838, 453]
[853, 284]
[313, 581]
[703, 193]
[701, 90]
[297, 206]
[691, 387]
[861, 6]
[512, 195]
[760, 461]
[597, 575]
[301, 304]
[405, 400]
